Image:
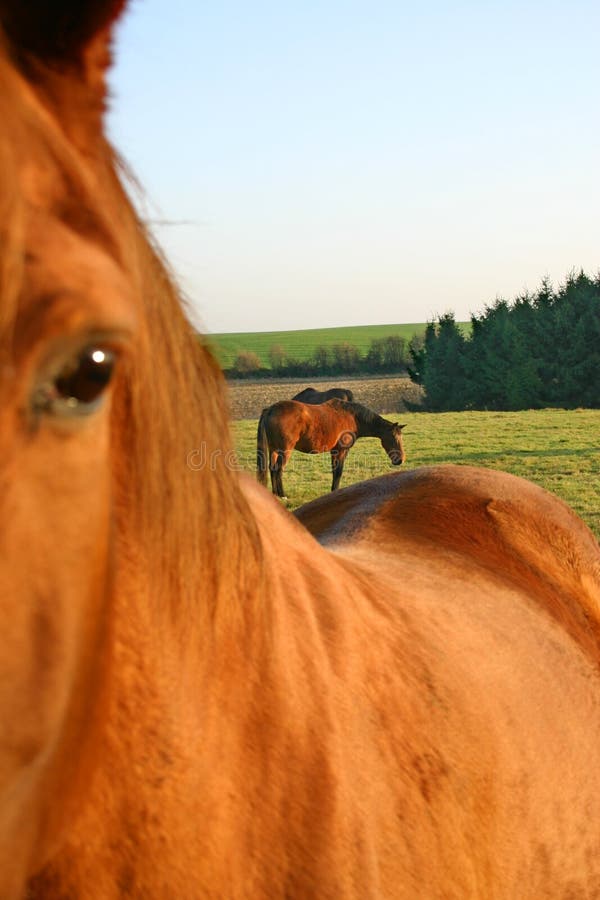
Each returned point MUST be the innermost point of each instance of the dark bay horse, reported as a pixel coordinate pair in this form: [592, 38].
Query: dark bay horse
[333, 426]
[311, 395]
[198, 699]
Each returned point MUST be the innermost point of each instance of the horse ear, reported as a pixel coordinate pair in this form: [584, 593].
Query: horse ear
[399, 427]
[64, 33]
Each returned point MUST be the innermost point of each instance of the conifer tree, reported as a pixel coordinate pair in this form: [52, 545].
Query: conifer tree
[541, 349]
[444, 377]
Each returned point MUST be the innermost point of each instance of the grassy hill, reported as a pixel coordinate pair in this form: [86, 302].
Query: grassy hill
[302, 344]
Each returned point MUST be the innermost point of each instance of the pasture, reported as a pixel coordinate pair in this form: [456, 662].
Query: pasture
[557, 449]
[302, 344]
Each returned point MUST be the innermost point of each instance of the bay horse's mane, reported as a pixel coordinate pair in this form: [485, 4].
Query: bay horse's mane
[364, 415]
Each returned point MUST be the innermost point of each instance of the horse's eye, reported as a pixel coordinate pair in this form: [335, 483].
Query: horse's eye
[78, 387]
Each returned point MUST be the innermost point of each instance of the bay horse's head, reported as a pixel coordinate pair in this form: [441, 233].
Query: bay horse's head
[89, 326]
[391, 441]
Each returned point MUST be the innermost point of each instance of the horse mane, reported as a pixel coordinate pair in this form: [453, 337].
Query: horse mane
[170, 396]
[364, 416]
[177, 396]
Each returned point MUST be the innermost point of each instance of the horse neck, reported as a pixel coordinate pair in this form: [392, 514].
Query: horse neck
[374, 427]
[191, 535]
[198, 707]
[187, 645]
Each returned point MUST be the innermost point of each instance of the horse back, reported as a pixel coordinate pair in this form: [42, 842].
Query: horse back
[312, 396]
[509, 527]
[313, 428]
[306, 396]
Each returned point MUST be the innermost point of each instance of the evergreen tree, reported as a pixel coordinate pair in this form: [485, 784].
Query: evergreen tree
[547, 340]
[444, 375]
[416, 354]
[541, 349]
[488, 365]
[578, 320]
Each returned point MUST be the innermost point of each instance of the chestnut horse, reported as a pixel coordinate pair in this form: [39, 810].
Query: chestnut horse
[333, 426]
[198, 699]
[311, 395]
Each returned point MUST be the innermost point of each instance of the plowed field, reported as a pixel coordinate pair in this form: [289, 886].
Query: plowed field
[384, 395]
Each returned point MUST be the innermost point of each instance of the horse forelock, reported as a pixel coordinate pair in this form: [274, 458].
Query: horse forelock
[57, 28]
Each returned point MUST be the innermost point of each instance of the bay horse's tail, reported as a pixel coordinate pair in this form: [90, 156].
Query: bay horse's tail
[262, 448]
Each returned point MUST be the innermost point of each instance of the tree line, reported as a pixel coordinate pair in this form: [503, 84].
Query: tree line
[390, 354]
[542, 349]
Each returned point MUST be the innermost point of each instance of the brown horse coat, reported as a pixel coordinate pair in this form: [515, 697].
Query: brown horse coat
[197, 698]
[333, 426]
[311, 395]
[309, 430]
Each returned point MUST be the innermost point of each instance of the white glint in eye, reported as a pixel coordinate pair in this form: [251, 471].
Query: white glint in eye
[79, 387]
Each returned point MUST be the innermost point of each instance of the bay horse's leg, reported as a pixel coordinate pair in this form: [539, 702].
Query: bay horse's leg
[275, 470]
[338, 457]
[279, 476]
[279, 459]
[284, 457]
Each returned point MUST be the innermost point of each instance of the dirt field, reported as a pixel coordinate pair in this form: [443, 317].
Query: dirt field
[386, 394]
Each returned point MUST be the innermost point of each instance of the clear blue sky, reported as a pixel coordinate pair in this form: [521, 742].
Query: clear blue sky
[330, 163]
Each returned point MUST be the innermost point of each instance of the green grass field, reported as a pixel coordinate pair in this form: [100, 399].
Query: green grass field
[302, 344]
[557, 449]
